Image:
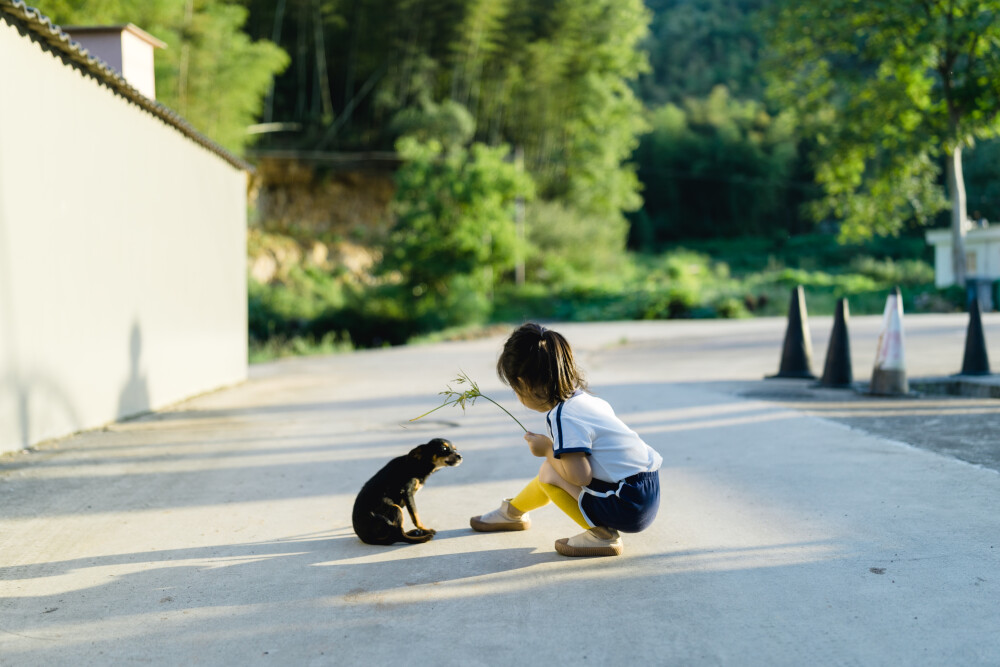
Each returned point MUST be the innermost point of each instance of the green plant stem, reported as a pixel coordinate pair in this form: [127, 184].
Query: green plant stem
[505, 410]
[446, 403]
[456, 401]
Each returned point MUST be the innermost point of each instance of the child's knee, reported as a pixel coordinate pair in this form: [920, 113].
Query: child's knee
[547, 474]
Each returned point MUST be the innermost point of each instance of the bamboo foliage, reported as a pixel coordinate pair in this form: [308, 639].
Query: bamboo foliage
[551, 76]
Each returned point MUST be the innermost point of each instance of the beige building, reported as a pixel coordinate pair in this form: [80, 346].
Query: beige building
[982, 254]
[122, 243]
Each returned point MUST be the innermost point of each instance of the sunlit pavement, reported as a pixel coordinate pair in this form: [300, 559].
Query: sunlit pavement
[797, 526]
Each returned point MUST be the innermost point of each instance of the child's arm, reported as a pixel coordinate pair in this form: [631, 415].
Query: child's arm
[573, 467]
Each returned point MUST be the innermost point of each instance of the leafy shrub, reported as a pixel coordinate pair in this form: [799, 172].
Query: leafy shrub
[814, 252]
[903, 272]
[298, 346]
[286, 308]
[730, 307]
[454, 232]
[569, 248]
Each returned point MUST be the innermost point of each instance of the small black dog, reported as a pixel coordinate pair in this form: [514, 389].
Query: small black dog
[378, 517]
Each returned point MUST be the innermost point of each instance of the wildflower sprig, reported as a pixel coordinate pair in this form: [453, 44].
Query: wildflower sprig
[467, 397]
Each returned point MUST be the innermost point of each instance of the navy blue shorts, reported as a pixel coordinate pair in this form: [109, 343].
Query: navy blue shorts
[629, 505]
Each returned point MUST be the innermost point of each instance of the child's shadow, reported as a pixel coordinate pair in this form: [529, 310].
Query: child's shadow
[452, 533]
[442, 568]
[412, 564]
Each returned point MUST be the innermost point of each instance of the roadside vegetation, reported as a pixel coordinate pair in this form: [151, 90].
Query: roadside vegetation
[312, 312]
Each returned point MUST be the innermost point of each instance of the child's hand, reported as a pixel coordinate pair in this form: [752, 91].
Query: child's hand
[539, 444]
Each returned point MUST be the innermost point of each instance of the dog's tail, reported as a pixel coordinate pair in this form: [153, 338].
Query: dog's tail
[416, 536]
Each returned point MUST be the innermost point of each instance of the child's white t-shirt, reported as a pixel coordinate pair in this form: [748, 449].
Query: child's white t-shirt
[588, 424]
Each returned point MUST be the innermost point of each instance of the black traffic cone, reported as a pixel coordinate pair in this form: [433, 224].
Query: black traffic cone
[837, 371]
[796, 354]
[976, 362]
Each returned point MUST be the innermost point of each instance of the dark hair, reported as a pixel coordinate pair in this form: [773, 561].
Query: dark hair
[540, 361]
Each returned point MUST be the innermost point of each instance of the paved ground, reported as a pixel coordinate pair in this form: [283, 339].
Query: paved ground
[798, 526]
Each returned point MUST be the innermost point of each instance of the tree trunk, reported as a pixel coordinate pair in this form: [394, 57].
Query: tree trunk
[956, 193]
[279, 17]
[182, 74]
[321, 73]
[519, 222]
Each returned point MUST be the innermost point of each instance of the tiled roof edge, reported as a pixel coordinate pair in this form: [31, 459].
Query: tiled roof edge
[48, 34]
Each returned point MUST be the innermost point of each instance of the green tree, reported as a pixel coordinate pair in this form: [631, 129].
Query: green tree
[696, 45]
[449, 123]
[572, 107]
[569, 249]
[455, 232]
[211, 73]
[891, 87]
[716, 166]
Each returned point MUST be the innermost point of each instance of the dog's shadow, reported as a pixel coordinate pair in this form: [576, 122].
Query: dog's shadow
[452, 533]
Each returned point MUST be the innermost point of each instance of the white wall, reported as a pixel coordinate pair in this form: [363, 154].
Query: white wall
[122, 255]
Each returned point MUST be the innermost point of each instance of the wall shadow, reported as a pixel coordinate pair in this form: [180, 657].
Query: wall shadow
[32, 389]
[134, 396]
[23, 388]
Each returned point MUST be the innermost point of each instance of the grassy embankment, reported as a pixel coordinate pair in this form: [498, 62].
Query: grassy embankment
[311, 307]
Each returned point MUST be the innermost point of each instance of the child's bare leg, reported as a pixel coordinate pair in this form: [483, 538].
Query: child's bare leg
[548, 474]
[562, 492]
[533, 496]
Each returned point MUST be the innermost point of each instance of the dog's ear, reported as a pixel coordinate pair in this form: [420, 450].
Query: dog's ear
[417, 452]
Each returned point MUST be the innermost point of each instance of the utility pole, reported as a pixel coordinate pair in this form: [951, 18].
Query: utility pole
[519, 221]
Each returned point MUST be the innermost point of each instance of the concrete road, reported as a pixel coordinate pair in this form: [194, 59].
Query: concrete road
[218, 532]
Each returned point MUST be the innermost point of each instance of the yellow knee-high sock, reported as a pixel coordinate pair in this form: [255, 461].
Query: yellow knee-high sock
[537, 494]
[531, 497]
[565, 502]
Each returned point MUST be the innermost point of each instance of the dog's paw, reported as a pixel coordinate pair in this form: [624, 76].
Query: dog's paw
[422, 532]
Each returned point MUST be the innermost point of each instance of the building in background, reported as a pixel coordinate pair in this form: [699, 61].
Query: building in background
[122, 242]
[127, 49]
[982, 262]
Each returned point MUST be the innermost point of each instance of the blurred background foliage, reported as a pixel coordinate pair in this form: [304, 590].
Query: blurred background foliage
[428, 165]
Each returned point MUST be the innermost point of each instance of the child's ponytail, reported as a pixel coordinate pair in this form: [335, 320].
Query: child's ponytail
[540, 361]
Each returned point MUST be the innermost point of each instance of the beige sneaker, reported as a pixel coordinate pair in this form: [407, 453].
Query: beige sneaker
[500, 519]
[594, 542]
